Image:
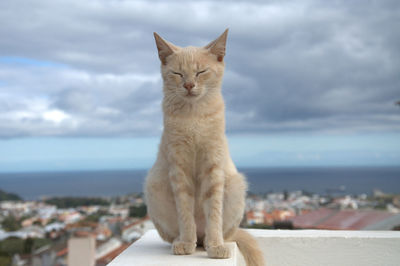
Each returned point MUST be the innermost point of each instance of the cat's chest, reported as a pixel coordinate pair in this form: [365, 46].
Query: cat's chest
[196, 130]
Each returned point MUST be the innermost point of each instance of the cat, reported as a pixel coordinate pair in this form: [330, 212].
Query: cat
[194, 193]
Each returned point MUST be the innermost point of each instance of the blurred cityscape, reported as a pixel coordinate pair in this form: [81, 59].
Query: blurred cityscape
[59, 231]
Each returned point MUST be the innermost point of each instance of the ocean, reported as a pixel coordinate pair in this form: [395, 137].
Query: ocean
[351, 180]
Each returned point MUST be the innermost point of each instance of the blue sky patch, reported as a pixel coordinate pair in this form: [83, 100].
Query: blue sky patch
[16, 60]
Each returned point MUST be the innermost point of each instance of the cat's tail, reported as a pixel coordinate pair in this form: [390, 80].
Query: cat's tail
[249, 248]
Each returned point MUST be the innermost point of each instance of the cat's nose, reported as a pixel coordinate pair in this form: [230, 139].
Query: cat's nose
[188, 85]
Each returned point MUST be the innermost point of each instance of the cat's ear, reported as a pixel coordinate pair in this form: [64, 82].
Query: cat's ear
[164, 48]
[217, 46]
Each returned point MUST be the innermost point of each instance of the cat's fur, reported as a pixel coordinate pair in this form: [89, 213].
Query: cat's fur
[194, 193]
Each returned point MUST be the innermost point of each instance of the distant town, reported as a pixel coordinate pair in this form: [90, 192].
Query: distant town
[58, 231]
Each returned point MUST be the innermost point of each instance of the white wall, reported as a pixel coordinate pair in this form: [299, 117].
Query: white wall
[281, 248]
[329, 248]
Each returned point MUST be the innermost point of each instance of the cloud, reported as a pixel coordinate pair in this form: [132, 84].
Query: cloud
[73, 68]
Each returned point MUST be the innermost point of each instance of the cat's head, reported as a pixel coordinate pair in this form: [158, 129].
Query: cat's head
[190, 73]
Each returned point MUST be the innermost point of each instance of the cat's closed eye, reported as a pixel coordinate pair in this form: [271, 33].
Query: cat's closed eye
[201, 72]
[177, 73]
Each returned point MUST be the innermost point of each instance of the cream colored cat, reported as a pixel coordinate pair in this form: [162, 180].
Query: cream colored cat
[194, 193]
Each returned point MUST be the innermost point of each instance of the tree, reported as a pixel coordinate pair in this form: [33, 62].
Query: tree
[138, 211]
[10, 223]
[95, 217]
[8, 196]
[72, 202]
[28, 245]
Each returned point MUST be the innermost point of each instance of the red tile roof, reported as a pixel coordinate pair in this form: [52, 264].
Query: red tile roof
[62, 252]
[339, 219]
[312, 219]
[136, 223]
[110, 256]
[354, 220]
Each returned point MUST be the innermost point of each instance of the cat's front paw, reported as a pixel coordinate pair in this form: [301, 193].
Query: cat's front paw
[219, 252]
[183, 248]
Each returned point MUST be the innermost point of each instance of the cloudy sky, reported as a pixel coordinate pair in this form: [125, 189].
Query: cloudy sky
[306, 82]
